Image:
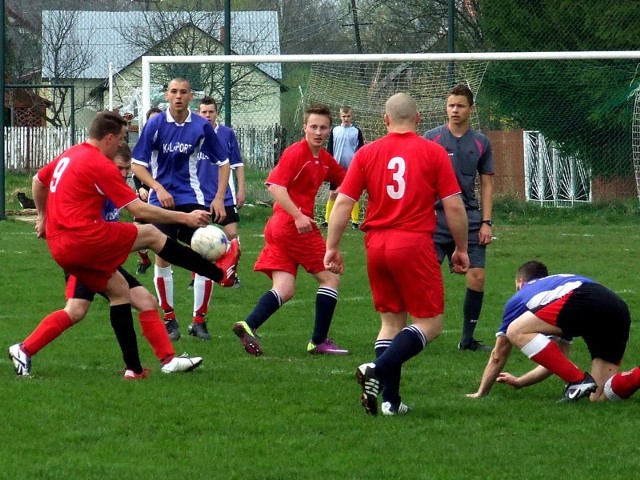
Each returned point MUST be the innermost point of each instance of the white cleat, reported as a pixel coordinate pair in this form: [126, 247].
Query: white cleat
[21, 361]
[389, 410]
[183, 363]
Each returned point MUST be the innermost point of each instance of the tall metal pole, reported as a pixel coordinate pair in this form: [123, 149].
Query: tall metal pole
[451, 39]
[2, 161]
[227, 66]
[356, 25]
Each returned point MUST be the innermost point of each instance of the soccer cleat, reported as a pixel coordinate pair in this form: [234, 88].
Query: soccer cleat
[131, 375]
[143, 266]
[172, 329]
[574, 391]
[237, 283]
[389, 409]
[21, 361]
[182, 363]
[248, 338]
[355, 226]
[475, 346]
[199, 330]
[229, 264]
[366, 377]
[326, 348]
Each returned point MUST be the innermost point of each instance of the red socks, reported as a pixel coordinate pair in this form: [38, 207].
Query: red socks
[545, 352]
[50, 328]
[155, 332]
[625, 384]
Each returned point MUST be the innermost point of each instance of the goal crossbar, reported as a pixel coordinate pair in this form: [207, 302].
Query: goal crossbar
[147, 60]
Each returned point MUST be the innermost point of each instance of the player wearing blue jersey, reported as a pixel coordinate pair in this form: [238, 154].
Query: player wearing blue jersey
[234, 198]
[470, 154]
[541, 320]
[176, 156]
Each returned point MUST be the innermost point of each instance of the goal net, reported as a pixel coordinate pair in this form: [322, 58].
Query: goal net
[564, 126]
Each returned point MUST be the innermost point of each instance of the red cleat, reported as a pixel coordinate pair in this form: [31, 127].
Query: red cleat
[228, 263]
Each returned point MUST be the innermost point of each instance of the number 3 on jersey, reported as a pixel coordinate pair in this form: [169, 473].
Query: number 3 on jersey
[396, 189]
[57, 173]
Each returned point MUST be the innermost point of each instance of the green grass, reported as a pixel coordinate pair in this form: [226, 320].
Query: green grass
[287, 415]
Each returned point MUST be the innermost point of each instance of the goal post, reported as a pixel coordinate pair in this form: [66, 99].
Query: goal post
[579, 106]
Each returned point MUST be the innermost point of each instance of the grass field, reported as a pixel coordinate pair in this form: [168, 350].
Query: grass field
[287, 415]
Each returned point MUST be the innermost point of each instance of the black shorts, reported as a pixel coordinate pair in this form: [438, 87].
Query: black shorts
[600, 317]
[179, 231]
[76, 289]
[232, 216]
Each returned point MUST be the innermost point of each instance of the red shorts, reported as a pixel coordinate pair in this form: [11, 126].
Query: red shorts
[404, 273]
[285, 248]
[92, 255]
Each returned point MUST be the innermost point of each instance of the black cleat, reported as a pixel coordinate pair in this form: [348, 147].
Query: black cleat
[576, 390]
[199, 330]
[172, 329]
[367, 379]
[474, 346]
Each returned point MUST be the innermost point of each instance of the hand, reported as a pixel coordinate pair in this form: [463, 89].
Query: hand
[198, 218]
[218, 212]
[40, 227]
[474, 395]
[304, 224]
[333, 261]
[460, 262]
[143, 194]
[165, 198]
[240, 199]
[485, 236]
[508, 379]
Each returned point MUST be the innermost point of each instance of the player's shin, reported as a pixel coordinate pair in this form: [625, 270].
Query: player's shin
[186, 258]
[122, 324]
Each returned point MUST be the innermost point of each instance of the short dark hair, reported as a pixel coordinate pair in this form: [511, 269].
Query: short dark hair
[123, 151]
[151, 111]
[318, 109]
[209, 101]
[532, 270]
[106, 123]
[462, 90]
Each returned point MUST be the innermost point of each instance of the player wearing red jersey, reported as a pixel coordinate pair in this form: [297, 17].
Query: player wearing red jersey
[79, 299]
[402, 174]
[70, 193]
[292, 238]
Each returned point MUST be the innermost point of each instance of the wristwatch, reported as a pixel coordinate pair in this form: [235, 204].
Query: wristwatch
[488, 222]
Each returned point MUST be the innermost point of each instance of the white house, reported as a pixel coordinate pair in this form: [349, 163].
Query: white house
[87, 48]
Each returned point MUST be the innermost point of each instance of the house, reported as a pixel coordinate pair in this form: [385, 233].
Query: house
[107, 48]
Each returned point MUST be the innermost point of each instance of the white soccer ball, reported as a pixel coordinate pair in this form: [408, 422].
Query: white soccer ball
[210, 242]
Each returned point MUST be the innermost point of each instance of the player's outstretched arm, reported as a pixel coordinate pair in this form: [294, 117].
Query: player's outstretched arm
[153, 214]
[497, 361]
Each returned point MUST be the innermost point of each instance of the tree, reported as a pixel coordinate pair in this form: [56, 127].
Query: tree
[577, 105]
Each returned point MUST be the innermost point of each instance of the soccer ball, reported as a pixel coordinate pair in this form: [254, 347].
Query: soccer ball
[210, 242]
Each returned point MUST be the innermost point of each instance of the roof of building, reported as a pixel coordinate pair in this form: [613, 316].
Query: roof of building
[110, 37]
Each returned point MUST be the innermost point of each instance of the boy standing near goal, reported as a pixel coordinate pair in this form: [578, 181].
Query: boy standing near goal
[292, 238]
[403, 173]
[344, 141]
[470, 153]
[176, 156]
[234, 198]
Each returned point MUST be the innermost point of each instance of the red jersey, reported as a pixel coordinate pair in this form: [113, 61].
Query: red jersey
[79, 181]
[302, 174]
[403, 175]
